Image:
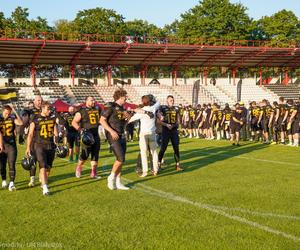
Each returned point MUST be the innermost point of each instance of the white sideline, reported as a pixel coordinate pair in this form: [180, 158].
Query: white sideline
[247, 158]
[170, 196]
[262, 214]
[238, 209]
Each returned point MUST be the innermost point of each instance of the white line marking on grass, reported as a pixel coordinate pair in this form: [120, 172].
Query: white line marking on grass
[242, 210]
[248, 158]
[170, 196]
[262, 214]
[211, 208]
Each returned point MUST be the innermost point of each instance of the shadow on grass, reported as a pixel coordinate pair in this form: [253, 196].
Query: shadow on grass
[194, 159]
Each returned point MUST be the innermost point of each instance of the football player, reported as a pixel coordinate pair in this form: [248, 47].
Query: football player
[8, 121]
[86, 121]
[170, 120]
[113, 120]
[41, 140]
[27, 117]
[73, 137]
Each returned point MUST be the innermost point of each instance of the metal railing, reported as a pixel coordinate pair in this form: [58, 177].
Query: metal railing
[108, 38]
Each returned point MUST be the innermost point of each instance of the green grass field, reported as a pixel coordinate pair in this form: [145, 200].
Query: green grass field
[228, 197]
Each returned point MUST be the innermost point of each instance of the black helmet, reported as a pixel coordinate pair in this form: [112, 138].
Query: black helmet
[87, 138]
[27, 162]
[61, 151]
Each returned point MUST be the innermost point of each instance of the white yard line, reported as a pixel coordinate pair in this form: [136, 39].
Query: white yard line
[247, 158]
[176, 198]
[216, 209]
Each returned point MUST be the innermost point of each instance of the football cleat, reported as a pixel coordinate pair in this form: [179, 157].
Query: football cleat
[11, 186]
[4, 184]
[31, 182]
[120, 185]
[111, 182]
[78, 172]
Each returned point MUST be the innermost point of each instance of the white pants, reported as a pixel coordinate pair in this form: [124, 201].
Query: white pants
[148, 141]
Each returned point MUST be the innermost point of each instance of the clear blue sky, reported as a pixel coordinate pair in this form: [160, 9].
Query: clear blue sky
[159, 12]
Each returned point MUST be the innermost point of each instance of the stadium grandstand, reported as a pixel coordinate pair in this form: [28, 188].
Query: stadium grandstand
[29, 49]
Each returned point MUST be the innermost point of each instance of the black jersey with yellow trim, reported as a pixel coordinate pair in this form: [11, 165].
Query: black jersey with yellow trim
[192, 114]
[267, 111]
[33, 113]
[219, 115]
[44, 129]
[282, 109]
[7, 128]
[67, 122]
[114, 114]
[170, 115]
[255, 112]
[90, 118]
[227, 113]
[291, 109]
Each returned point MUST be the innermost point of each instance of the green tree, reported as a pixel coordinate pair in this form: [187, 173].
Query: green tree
[171, 29]
[99, 21]
[281, 26]
[19, 19]
[40, 25]
[215, 19]
[2, 21]
[142, 28]
[64, 26]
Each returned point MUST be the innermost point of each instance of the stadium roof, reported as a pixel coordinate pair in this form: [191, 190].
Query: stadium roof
[53, 48]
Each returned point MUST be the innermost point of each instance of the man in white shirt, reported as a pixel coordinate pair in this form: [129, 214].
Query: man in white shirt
[147, 133]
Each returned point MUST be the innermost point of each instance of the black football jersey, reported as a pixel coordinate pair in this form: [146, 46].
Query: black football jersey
[219, 115]
[192, 114]
[114, 114]
[255, 112]
[33, 113]
[227, 113]
[236, 115]
[170, 115]
[90, 119]
[291, 109]
[7, 128]
[282, 110]
[267, 111]
[44, 129]
[68, 118]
